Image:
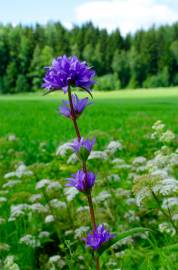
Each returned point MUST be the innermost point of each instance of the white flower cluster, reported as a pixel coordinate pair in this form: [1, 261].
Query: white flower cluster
[113, 147]
[18, 211]
[167, 228]
[70, 193]
[159, 133]
[21, 170]
[9, 264]
[30, 240]
[102, 196]
[81, 231]
[63, 149]
[55, 262]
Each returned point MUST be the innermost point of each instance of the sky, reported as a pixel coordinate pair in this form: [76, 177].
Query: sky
[127, 15]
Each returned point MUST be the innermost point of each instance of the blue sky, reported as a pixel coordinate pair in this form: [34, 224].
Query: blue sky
[128, 15]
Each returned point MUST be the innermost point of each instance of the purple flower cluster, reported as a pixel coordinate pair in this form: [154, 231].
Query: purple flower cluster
[98, 237]
[65, 73]
[83, 181]
[78, 104]
[68, 71]
[83, 147]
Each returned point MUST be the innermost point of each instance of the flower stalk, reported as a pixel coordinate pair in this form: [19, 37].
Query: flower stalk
[89, 197]
[64, 73]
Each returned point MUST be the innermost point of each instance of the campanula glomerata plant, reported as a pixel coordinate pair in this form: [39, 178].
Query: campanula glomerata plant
[68, 74]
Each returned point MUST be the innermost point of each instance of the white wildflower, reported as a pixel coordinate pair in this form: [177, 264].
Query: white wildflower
[55, 203]
[131, 216]
[120, 254]
[139, 161]
[63, 149]
[17, 211]
[70, 193]
[22, 170]
[30, 240]
[11, 183]
[80, 231]
[82, 208]
[123, 166]
[140, 169]
[3, 200]
[49, 219]
[102, 196]
[44, 234]
[124, 241]
[141, 195]
[9, 175]
[54, 185]
[113, 177]
[12, 137]
[35, 198]
[131, 201]
[167, 137]
[118, 161]
[43, 183]
[162, 173]
[98, 155]
[38, 208]
[72, 159]
[175, 217]
[158, 125]
[9, 264]
[173, 159]
[113, 146]
[169, 202]
[56, 261]
[167, 228]
[166, 186]
[121, 192]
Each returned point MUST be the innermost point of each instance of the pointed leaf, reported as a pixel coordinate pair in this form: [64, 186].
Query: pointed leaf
[119, 237]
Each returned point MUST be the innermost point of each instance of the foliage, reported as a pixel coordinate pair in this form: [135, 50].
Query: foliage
[136, 59]
[107, 82]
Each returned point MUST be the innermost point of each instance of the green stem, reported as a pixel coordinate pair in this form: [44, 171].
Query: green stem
[162, 210]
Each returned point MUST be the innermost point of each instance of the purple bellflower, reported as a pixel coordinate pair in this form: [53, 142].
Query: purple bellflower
[78, 104]
[82, 181]
[83, 147]
[68, 71]
[99, 236]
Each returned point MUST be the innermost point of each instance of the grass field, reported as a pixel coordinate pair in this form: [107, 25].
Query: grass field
[125, 115]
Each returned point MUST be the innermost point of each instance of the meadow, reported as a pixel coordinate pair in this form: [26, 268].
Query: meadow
[123, 115]
[31, 130]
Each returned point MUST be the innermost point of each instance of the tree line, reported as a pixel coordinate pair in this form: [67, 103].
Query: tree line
[144, 59]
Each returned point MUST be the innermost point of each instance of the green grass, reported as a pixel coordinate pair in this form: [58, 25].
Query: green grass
[125, 115]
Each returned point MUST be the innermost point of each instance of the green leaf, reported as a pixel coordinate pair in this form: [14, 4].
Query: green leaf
[119, 237]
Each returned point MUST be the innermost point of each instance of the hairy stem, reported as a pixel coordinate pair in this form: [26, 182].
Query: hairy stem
[89, 197]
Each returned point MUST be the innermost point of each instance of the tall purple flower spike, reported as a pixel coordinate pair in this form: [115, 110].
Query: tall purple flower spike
[97, 238]
[78, 104]
[82, 181]
[68, 71]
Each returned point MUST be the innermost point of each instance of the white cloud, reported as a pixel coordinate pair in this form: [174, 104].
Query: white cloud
[128, 15]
